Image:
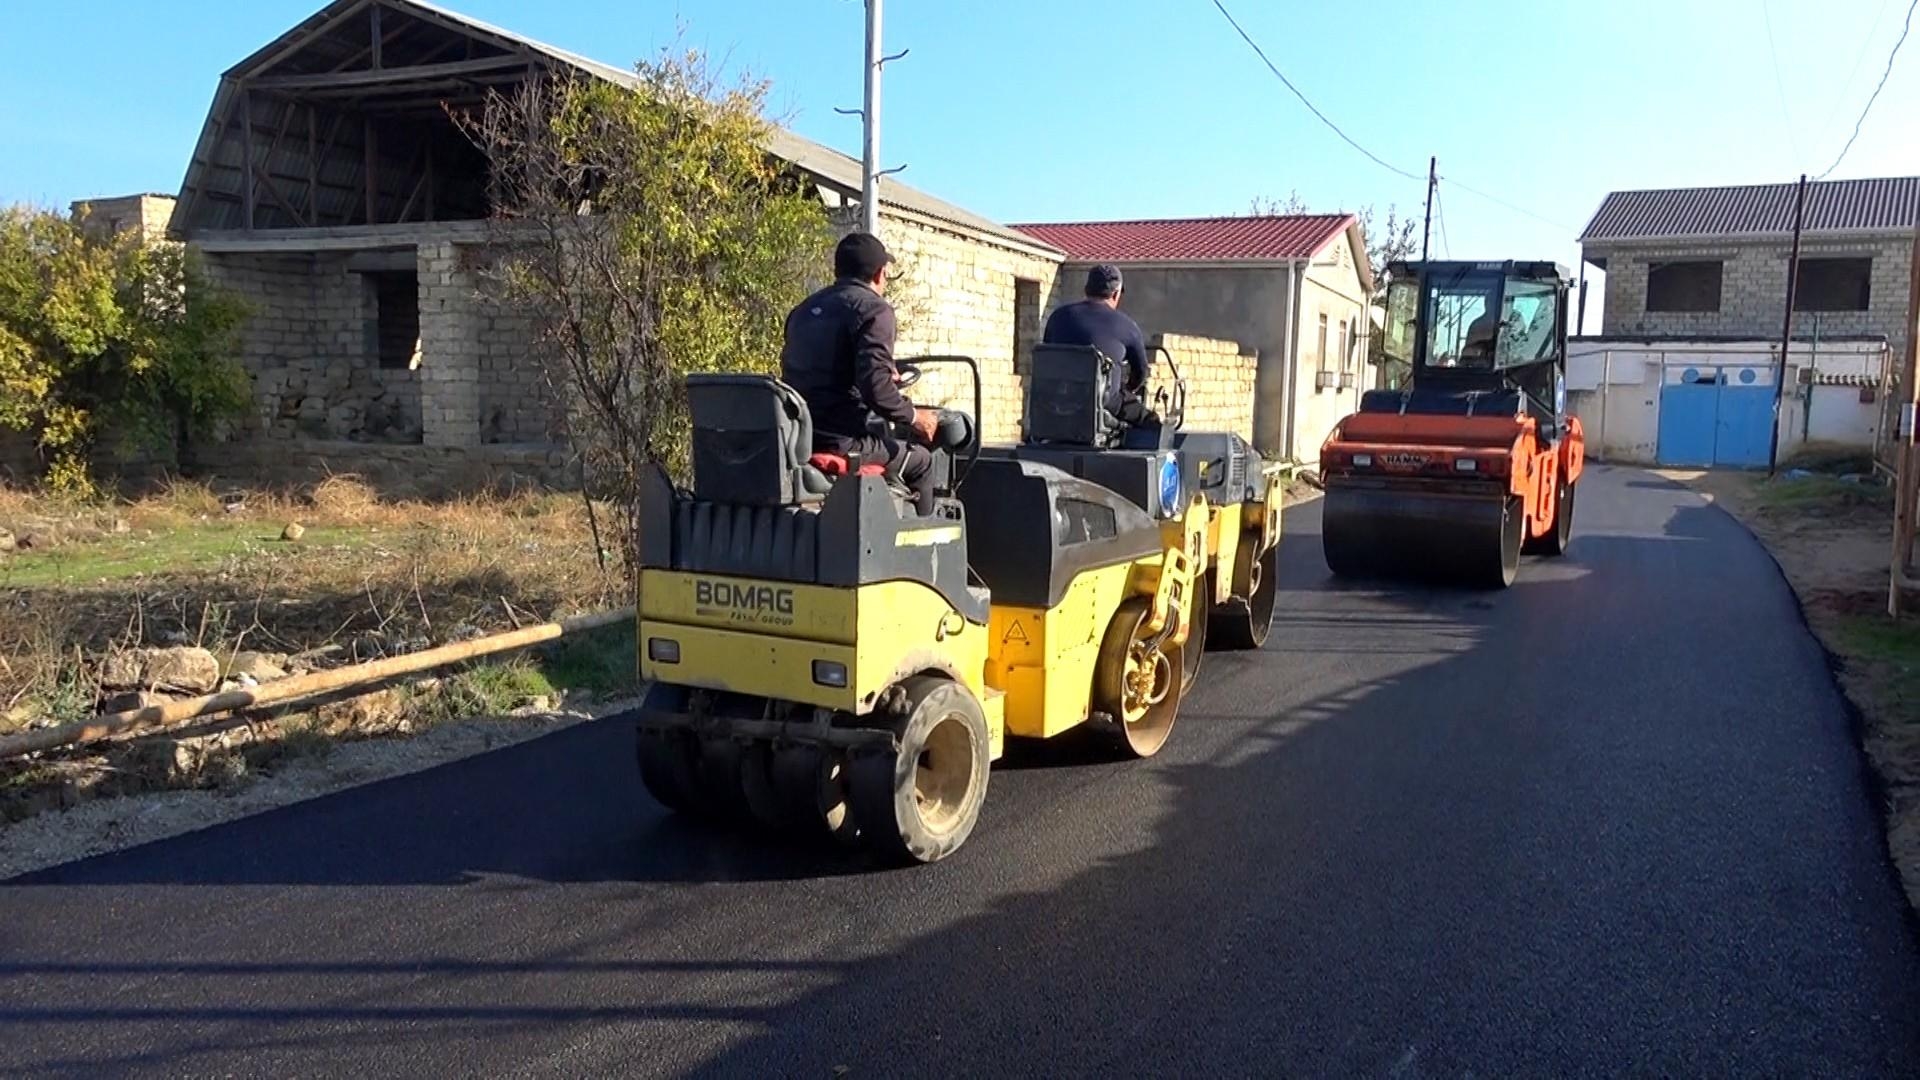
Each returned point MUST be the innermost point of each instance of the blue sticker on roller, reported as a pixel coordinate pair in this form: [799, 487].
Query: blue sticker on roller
[1169, 484]
[1747, 375]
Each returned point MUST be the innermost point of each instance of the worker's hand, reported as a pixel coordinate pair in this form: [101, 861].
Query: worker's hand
[926, 424]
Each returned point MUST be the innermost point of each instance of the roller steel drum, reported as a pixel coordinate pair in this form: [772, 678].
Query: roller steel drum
[1457, 537]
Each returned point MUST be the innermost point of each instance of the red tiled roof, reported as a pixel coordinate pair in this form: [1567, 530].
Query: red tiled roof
[1276, 236]
[1883, 205]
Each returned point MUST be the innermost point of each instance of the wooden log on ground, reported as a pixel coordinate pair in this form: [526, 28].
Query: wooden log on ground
[280, 691]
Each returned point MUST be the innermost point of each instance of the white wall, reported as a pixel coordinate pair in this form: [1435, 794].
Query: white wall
[1622, 420]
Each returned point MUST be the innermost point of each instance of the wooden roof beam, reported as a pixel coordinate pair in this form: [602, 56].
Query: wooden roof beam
[341, 80]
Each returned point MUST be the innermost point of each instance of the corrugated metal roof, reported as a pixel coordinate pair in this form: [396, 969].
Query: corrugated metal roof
[1279, 237]
[1884, 205]
[829, 166]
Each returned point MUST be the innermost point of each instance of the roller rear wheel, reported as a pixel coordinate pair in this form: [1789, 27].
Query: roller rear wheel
[669, 758]
[919, 803]
[1197, 619]
[1243, 624]
[810, 783]
[1136, 683]
[1554, 543]
[1503, 564]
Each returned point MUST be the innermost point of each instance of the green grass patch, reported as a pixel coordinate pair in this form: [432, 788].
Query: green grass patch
[1892, 647]
[1821, 496]
[604, 661]
[174, 551]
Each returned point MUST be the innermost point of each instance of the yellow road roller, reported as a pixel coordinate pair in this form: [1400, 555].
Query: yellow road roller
[1160, 467]
[825, 659]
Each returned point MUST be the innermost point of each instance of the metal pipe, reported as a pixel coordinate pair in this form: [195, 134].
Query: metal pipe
[1606, 392]
[870, 123]
[1786, 330]
[154, 717]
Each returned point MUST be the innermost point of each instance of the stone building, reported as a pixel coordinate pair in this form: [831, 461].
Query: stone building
[1687, 368]
[1292, 288]
[1712, 262]
[330, 189]
[145, 215]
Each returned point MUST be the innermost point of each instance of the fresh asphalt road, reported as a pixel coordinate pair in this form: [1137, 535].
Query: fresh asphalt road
[1610, 821]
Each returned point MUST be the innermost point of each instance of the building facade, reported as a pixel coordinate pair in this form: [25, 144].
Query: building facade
[332, 191]
[1293, 289]
[1712, 262]
[1688, 358]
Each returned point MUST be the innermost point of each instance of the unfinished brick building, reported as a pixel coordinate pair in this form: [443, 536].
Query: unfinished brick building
[331, 189]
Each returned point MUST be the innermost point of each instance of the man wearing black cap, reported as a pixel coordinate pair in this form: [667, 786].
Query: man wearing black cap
[1099, 322]
[839, 355]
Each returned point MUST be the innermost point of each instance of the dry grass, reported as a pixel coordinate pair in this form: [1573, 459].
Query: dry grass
[192, 565]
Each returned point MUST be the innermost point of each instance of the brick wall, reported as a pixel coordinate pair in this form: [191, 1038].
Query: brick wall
[312, 348]
[959, 294]
[1220, 380]
[146, 215]
[309, 345]
[1753, 289]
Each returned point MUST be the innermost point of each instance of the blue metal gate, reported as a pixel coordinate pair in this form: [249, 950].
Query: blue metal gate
[1707, 418]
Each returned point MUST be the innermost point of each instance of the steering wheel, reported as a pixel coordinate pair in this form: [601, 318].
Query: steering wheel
[908, 375]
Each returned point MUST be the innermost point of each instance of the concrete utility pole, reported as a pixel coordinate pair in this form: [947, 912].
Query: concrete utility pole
[1786, 331]
[870, 117]
[869, 114]
[1433, 179]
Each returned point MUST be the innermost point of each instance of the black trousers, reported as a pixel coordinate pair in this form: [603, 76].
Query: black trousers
[909, 463]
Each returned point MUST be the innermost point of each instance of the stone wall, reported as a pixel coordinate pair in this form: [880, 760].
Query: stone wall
[1220, 381]
[960, 294]
[1753, 289]
[310, 347]
[146, 215]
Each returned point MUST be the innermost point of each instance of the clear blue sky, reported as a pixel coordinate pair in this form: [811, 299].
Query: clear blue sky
[1042, 110]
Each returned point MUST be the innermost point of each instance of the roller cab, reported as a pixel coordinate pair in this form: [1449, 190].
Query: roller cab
[1475, 460]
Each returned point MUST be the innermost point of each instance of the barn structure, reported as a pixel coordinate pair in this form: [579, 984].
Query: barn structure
[332, 189]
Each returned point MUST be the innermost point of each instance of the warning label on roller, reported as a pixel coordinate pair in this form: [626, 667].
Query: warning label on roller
[1016, 634]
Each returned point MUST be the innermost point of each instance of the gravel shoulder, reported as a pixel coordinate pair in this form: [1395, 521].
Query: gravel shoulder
[105, 825]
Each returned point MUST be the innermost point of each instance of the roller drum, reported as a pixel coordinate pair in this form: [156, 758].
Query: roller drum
[1468, 538]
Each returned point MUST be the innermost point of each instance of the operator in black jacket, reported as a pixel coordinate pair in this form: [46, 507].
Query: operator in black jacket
[839, 355]
[1098, 321]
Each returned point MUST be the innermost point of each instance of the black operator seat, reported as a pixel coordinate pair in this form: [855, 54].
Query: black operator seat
[752, 436]
[1067, 398]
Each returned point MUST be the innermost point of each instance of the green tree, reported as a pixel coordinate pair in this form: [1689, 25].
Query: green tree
[647, 232]
[109, 343]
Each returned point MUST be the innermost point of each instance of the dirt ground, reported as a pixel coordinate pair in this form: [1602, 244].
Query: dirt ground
[212, 568]
[1833, 539]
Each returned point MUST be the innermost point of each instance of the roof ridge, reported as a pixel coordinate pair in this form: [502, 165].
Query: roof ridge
[1760, 187]
[1331, 216]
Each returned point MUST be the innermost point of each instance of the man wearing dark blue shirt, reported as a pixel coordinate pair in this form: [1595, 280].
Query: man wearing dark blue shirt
[1099, 322]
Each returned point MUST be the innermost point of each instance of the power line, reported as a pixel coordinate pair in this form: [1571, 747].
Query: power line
[1853, 69]
[1515, 207]
[1440, 218]
[1375, 158]
[1335, 128]
[1779, 81]
[1875, 96]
